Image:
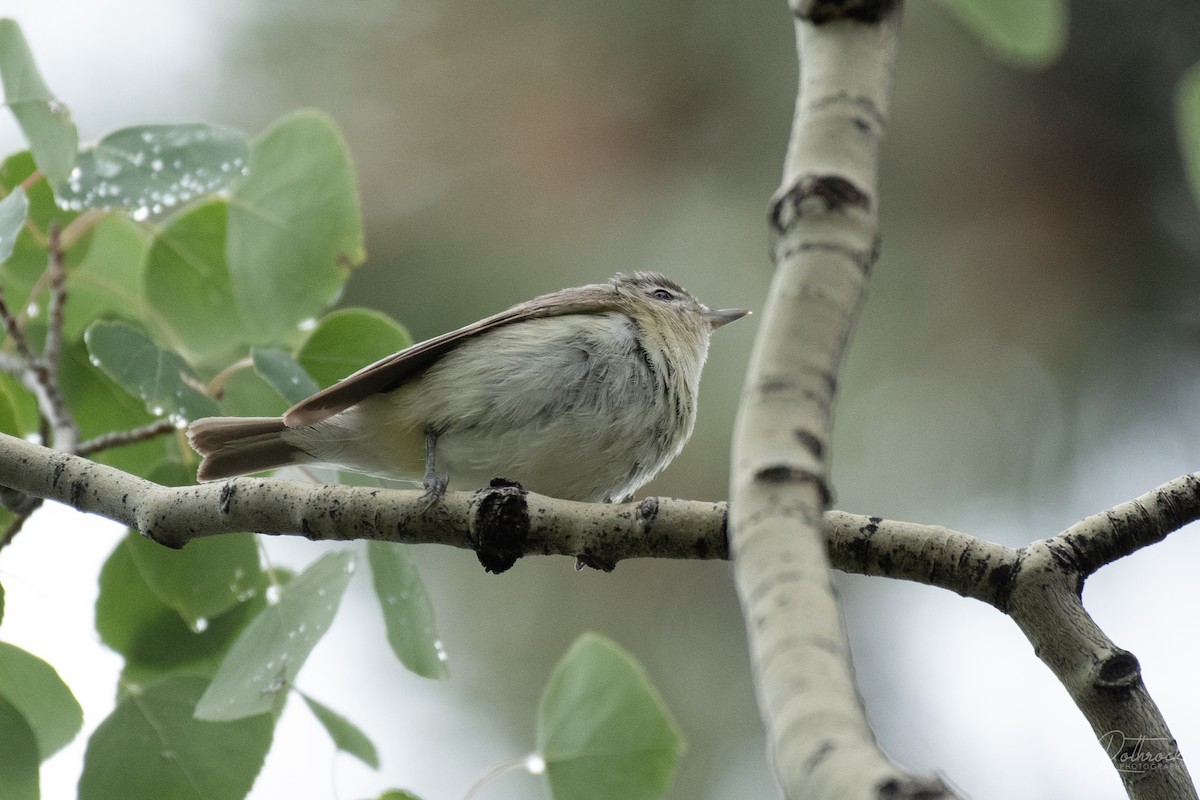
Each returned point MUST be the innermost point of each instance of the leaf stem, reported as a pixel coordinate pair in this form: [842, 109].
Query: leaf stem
[120, 438]
[493, 773]
[216, 387]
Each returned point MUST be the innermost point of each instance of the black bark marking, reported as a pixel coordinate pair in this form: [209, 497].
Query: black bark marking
[785, 473]
[500, 525]
[816, 193]
[225, 501]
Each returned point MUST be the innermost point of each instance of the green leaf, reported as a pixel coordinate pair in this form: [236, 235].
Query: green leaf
[407, 612]
[602, 728]
[149, 169]
[1187, 111]
[1, 602]
[105, 281]
[18, 755]
[149, 634]
[8, 414]
[1025, 33]
[246, 394]
[295, 226]
[264, 661]
[22, 403]
[160, 378]
[13, 210]
[284, 374]
[397, 794]
[100, 406]
[41, 697]
[152, 746]
[27, 261]
[17, 168]
[45, 121]
[347, 340]
[345, 734]
[186, 281]
[130, 618]
[203, 580]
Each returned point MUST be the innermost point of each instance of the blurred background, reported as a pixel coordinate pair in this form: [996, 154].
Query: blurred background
[1028, 355]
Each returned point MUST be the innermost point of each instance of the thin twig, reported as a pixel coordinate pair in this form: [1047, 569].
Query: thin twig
[496, 772]
[40, 374]
[1102, 538]
[15, 334]
[31, 180]
[54, 407]
[14, 527]
[41, 378]
[216, 387]
[120, 438]
[12, 364]
[56, 269]
[81, 226]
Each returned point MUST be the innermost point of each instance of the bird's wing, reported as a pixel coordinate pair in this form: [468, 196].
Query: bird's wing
[392, 371]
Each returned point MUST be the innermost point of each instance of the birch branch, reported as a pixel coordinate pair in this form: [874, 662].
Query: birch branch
[500, 524]
[1039, 586]
[39, 373]
[824, 224]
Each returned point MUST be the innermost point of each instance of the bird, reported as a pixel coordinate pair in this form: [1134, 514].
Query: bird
[582, 394]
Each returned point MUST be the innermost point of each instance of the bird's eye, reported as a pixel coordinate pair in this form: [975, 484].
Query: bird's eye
[662, 294]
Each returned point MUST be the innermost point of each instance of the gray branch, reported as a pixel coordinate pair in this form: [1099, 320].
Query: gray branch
[824, 224]
[499, 523]
[1039, 586]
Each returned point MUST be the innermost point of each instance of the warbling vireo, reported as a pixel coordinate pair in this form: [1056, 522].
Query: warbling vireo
[584, 394]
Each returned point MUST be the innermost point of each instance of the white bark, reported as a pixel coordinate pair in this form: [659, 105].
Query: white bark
[825, 223]
[1038, 586]
[499, 524]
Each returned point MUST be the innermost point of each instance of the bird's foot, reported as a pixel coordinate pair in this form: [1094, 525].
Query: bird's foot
[435, 486]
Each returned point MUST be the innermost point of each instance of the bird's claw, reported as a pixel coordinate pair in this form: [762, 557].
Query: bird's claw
[435, 487]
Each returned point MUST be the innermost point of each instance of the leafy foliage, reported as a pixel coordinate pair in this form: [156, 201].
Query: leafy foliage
[18, 755]
[149, 169]
[44, 120]
[200, 264]
[347, 737]
[295, 227]
[13, 210]
[348, 339]
[152, 745]
[204, 580]
[159, 377]
[1027, 33]
[407, 612]
[40, 696]
[266, 657]
[283, 373]
[1187, 103]
[603, 730]
[151, 636]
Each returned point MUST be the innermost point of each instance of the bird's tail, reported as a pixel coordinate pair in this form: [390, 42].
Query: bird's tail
[240, 445]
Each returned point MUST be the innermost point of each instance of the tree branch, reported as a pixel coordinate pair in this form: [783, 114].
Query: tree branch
[56, 270]
[121, 438]
[824, 224]
[39, 374]
[497, 523]
[1039, 586]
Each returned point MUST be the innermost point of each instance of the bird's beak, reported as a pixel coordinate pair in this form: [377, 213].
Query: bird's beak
[724, 316]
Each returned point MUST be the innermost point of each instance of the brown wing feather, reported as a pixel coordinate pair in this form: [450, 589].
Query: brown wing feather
[390, 372]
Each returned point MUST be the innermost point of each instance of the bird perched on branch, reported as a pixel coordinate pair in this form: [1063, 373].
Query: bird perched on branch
[583, 394]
